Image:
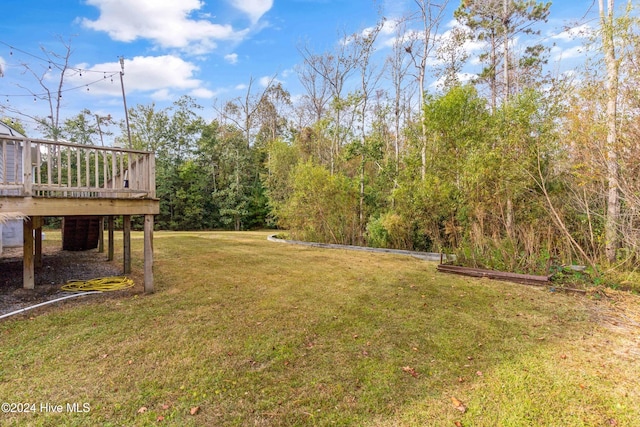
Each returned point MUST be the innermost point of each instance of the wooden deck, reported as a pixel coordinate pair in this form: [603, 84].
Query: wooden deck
[40, 178]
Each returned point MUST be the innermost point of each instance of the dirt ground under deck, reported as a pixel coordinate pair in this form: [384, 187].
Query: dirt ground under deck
[58, 267]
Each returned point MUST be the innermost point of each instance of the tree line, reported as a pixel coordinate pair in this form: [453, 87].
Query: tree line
[516, 169]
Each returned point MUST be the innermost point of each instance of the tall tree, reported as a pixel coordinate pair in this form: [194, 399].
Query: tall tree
[243, 110]
[420, 46]
[334, 68]
[498, 22]
[398, 67]
[611, 150]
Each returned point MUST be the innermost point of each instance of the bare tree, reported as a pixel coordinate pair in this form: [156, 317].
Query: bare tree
[243, 110]
[398, 67]
[58, 64]
[333, 68]
[420, 46]
[317, 87]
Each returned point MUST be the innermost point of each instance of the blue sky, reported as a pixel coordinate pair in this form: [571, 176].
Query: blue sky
[206, 49]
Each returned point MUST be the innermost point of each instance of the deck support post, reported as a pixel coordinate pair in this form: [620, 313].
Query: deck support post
[27, 266]
[148, 254]
[37, 226]
[101, 236]
[126, 237]
[110, 227]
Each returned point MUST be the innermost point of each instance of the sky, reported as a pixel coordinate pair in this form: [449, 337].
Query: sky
[209, 50]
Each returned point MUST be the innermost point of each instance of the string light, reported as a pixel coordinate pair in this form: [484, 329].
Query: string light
[51, 63]
[45, 94]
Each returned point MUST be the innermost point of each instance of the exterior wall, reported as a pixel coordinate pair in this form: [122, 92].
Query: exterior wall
[11, 234]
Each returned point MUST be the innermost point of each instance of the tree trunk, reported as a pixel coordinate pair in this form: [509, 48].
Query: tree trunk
[505, 29]
[613, 201]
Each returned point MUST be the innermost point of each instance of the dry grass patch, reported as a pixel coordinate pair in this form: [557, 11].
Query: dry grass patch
[255, 333]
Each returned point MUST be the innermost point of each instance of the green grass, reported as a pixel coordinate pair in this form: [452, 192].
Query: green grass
[256, 333]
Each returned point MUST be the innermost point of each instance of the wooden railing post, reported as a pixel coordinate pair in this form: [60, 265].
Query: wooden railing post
[152, 175]
[27, 178]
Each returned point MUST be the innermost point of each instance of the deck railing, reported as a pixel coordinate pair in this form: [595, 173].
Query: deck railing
[41, 168]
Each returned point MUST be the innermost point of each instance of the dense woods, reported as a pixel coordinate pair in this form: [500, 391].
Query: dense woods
[516, 169]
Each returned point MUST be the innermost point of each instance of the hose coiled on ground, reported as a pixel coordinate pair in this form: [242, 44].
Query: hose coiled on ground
[102, 284]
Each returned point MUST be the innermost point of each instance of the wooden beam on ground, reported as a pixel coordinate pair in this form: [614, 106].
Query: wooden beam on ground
[110, 227]
[126, 245]
[528, 279]
[28, 267]
[148, 254]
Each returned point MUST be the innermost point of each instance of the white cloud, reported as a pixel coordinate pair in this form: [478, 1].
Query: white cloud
[462, 78]
[569, 53]
[203, 93]
[571, 34]
[253, 8]
[162, 95]
[266, 80]
[165, 22]
[158, 74]
[231, 58]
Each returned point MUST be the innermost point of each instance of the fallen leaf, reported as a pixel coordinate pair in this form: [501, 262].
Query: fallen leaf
[165, 406]
[458, 424]
[194, 410]
[142, 410]
[160, 418]
[458, 405]
[411, 371]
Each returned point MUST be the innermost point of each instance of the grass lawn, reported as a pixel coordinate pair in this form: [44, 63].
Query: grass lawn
[246, 332]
